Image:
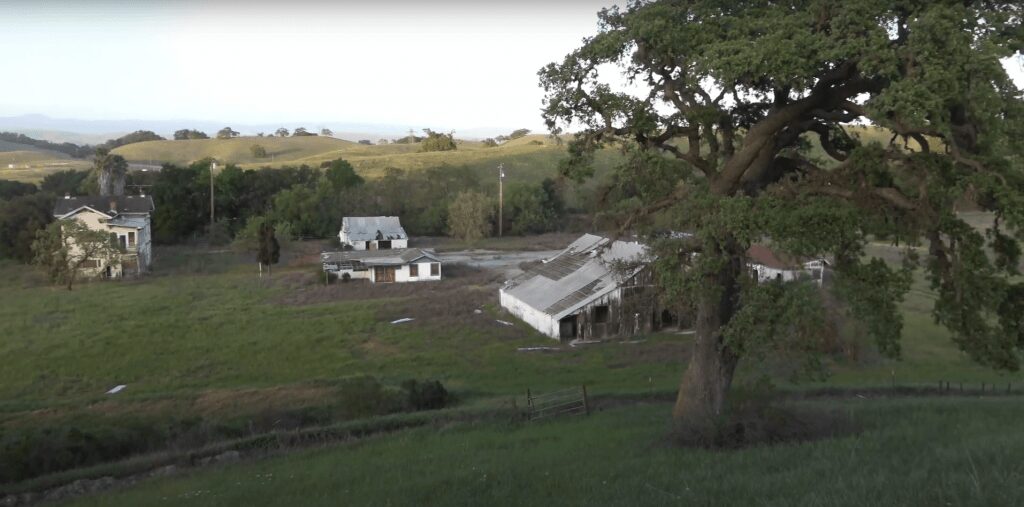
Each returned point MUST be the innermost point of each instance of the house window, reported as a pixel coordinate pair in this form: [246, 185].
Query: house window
[414, 270]
[121, 241]
[131, 239]
[384, 245]
[435, 269]
[601, 314]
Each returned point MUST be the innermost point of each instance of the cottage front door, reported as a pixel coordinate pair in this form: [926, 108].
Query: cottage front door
[384, 274]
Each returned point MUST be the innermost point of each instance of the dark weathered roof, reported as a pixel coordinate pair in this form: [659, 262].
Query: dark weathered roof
[398, 256]
[372, 228]
[102, 203]
[580, 273]
[765, 256]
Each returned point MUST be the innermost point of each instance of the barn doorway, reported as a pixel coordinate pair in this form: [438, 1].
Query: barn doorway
[384, 274]
[384, 245]
[567, 329]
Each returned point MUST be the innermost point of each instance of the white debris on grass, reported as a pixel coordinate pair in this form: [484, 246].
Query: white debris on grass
[478, 311]
[538, 349]
[580, 343]
[116, 389]
[502, 322]
[399, 321]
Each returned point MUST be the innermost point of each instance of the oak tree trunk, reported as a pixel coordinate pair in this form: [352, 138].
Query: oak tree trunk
[704, 387]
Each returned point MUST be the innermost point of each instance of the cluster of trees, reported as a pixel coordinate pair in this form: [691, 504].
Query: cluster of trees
[731, 78]
[227, 133]
[491, 142]
[135, 137]
[184, 134]
[298, 202]
[70, 149]
[438, 141]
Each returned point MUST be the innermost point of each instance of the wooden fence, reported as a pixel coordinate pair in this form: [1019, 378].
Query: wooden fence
[570, 401]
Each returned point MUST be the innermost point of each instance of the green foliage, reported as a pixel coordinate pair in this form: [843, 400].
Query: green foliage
[342, 175]
[258, 151]
[64, 182]
[135, 137]
[110, 171]
[301, 131]
[534, 209]
[183, 134]
[11, 189]
[489, 142]
[281, 132]
[425, 395]
[65, 246]
[469, 216]
[227, 133]
[438, 141]
[20, 219]
[516, 134]
[269, 251]
[69, 149]
[326, 132]
[717, 146]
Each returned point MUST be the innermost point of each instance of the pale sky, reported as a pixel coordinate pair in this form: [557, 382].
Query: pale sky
[441, 63]
[448, 64]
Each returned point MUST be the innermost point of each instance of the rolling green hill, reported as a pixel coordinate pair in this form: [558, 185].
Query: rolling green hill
[280, 150]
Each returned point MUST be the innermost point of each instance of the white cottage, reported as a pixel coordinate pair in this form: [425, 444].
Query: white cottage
[126, 218]
[383, 266]
[593, 289]
[373, 233]
[767, 265]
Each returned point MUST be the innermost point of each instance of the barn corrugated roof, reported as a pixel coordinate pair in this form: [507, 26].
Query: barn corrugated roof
[582, 272]
[373, 228]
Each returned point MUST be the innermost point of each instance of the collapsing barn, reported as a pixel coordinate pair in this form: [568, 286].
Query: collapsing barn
[593, 289]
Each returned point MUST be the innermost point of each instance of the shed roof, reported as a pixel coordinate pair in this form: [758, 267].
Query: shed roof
[765, 256]
[103, 204]
[579, 274]
[372, 228]
[395, 257]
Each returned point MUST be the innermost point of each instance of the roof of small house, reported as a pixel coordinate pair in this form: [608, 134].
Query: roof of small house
[372, 228]
[109, 204]
[394, 257]
[590, 267]
[765, 256]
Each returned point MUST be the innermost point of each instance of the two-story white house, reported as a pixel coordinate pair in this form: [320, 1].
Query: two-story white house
[126, 218]
[373, 233]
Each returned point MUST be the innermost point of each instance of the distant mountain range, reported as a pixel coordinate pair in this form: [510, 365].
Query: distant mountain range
[79, 131]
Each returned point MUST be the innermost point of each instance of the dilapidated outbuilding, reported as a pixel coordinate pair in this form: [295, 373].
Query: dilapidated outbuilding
[596, 288]
[766, 265]
[383, 266]
[373, 233]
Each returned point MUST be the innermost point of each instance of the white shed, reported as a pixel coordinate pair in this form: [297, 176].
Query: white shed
[373, 233]
[384, 266]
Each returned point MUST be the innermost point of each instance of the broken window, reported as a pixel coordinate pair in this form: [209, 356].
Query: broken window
[435, 269]
[131, 238]
[601, 314]
[414, 270]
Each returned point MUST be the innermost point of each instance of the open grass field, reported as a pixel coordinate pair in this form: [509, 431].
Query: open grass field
[943, 451]
[30, 164]
[203, 342]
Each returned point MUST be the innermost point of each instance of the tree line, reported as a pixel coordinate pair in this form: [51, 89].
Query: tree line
[300, 202]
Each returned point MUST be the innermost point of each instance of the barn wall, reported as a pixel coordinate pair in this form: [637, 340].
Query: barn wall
[536, 319]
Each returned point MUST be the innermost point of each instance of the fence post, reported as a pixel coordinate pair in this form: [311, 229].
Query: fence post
[586, 401]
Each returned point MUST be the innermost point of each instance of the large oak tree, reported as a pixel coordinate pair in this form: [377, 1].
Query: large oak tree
[737, 118]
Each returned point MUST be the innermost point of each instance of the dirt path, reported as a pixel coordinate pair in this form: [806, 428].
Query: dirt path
[504, 261]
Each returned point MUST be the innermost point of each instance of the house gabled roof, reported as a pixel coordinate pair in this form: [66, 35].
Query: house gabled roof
[586, 270]
[372, 228]
[102, 203]
[395, 257]
[765, 256]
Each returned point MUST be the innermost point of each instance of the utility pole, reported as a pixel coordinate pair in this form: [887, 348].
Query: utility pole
[213, 165]
[501, 197]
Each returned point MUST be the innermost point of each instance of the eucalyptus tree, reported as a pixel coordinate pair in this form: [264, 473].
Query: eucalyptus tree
[721, 107]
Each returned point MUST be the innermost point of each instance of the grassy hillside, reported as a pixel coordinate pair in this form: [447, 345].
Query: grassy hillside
[280, 150]
[951, 451]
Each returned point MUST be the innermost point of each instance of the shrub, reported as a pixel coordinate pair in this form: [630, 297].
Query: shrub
[426, 395]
